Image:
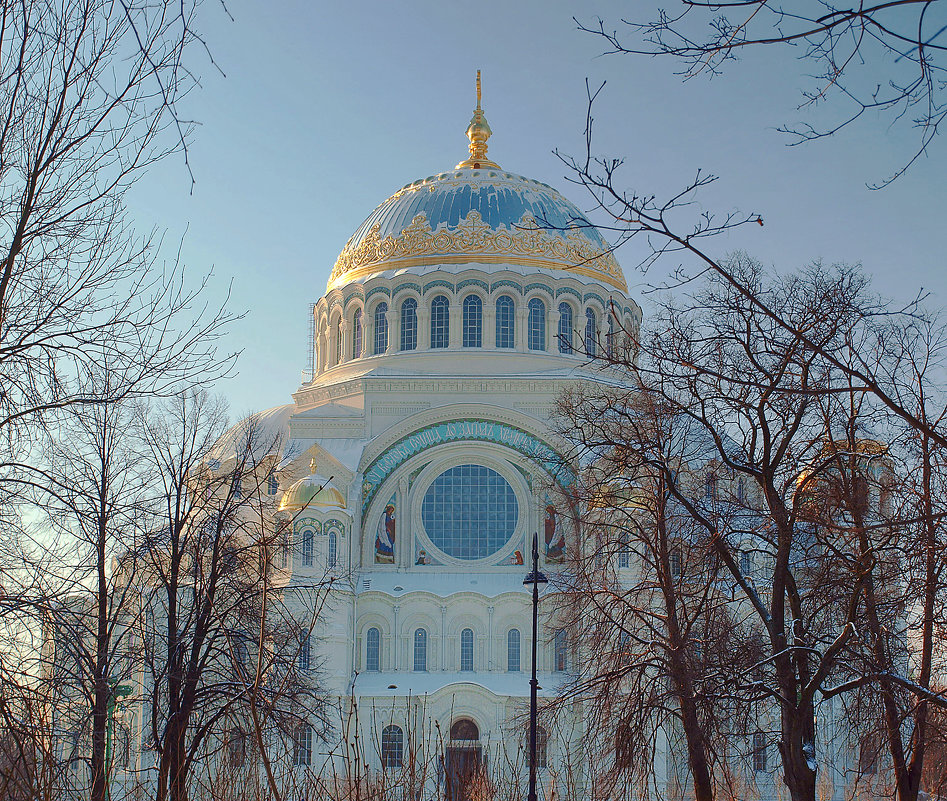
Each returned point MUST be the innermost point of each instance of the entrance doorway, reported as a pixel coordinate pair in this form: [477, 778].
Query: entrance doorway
[463, 760]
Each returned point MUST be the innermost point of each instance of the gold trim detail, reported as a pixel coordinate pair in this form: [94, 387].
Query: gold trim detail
[472, 240]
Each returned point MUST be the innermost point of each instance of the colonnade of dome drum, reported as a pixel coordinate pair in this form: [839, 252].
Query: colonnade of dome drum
[470, 314]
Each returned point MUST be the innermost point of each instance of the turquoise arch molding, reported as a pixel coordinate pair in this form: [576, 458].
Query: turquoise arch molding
[470, 430]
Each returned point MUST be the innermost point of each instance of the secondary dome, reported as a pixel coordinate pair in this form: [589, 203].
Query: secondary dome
[313, 491]
[477, 213]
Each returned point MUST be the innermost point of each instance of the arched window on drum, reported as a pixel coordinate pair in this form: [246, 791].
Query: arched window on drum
[473, 322]
[381, 328]
[536, 325]
[591, 333]
[409, 324]
[506, 322]
[440, 322]
[565, 328]
[357, 334]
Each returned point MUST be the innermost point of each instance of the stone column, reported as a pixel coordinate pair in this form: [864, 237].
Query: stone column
[454, 319]
[394, 332]
[346, 343]
[323, 363]
[489, 325]
[491, 636]
[522, 315]
[444, 663]
[424, 327]
[395, 641]
[552, 340]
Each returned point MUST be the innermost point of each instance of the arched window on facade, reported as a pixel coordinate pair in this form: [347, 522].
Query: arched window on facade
[591, 332]
[307, 546]
[464, 729]
[302, 745]
[467, 649]
[373, 650]
[513, 650]
[333, 555]
[420, 650]
[272, 484]
[338, 341]
[305, 654]
[392, 747]
[560, 651]
[440, 322]
[536, 325]
[759, 752]
[542, 747]
[473, 322]
[624, 550]
[506, 322]
[357, 334]
[409, 324]
[565, 328]
[381, 328]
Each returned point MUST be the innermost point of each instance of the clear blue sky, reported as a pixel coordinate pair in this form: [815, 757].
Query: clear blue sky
[329, 107]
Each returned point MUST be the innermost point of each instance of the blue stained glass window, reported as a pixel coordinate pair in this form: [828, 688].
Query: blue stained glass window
[409, 324]
[381, 328]
[536, 325]
[467, 649]
[440, 322]
[333, 549]
[469, 511]
[420, 649]
[565, 328]
[357, 334]
[591, 332]
[506, 321]
[513, 650]
[473, 322]
[373, 650]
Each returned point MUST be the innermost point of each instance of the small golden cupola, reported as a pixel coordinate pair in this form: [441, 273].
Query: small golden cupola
[478, 132]
[313, 491]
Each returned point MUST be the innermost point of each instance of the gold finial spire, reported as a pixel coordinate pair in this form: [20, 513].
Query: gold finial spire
[478, 132]
[312, 465]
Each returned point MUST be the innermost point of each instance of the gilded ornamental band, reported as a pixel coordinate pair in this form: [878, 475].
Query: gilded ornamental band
[525, 243]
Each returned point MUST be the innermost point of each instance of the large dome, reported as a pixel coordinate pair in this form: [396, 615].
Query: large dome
[484, 216]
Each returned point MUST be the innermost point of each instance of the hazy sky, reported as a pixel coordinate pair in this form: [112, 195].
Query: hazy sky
[327, 108]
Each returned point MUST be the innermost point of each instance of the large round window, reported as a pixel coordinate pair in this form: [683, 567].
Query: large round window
[469, 511]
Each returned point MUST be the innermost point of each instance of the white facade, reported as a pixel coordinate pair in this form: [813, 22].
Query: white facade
[456, 315]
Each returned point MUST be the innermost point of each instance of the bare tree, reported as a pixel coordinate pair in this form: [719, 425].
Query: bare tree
[660, 641]
[865, 60]
[222, 646]
[741, 362]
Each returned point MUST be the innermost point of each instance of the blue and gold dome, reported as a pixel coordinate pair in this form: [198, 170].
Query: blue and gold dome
[477, 213]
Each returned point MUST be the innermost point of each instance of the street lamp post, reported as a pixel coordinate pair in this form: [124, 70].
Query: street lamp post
[535, 578]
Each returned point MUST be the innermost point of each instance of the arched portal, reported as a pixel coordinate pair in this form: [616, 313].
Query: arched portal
[463, 760]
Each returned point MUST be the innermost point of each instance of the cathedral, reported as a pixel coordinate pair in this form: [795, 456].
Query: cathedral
[417, 459]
